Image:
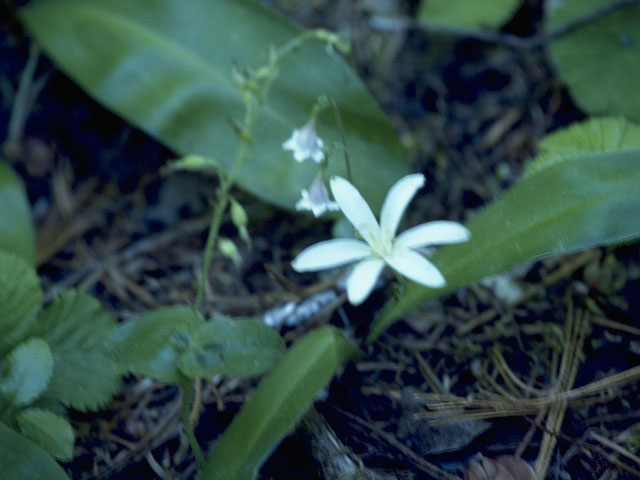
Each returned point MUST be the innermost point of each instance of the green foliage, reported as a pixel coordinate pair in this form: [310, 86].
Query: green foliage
[52, 432]
[604, 134]
[20, 299]
[53, 358]
[468, 13]
[234, 347]
[565, 204]
[75, 326]
[21, 459]
[60, 363]
[599, 61]
[27, 372]
[151, 343]
[277, 404]
[172, 343]
[16, 230]
[167, 68]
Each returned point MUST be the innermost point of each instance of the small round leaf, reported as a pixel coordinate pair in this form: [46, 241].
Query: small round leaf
[29, 370]
[52, 432]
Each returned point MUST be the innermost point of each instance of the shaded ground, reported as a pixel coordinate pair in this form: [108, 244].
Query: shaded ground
[470, 114]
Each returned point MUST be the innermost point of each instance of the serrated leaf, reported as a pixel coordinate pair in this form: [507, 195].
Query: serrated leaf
[27, 372]
[151, 343]
[233, 347]
[21, 459]
[599, 61]
[52, 432]
[16, 229]
[20, 300]
[606, 134]
[586, 200]
[166, 66]
[277, 404]
[75, 326]
[468, 13]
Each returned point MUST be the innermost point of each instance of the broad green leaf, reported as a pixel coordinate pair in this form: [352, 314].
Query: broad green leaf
[166, 66]
[27, 372]
[605, 134]
[75, 326]
[21, 459]
[468, 13]
[233, 347]
[20, 300]
[588, 199]
[278, 403]
[52, 432]
[599, 61]
[16, 230]
[151, 343]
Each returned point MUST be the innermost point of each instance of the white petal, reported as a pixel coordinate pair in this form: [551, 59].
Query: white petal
[305, 201]
[317, 155]
[397, 200]
[433, 233]
[291, 143]
[330, 254]
[415, 267]
[355, 208]
[362, 279]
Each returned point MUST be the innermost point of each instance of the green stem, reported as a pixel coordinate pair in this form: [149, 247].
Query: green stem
[253, 108]
[336, 113]
[223, 201]
[187, 398]
[401, 281]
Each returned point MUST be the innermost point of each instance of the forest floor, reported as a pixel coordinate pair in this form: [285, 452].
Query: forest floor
[470, 115]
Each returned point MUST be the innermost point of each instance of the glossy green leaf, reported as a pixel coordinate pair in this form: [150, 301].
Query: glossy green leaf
[599, 61]
[16, 229]
[52, 432]
[468, 13]
[20, 300]
[586, 200]
[605, 134]
[166, 66]
[278, 403]
[75, 326]
[27, 372]
[21, 459]
[151, 343]
[234, 347]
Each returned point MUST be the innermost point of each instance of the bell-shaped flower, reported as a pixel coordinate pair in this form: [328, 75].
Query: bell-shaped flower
[305, 143]
[316, 198]
[381, 246]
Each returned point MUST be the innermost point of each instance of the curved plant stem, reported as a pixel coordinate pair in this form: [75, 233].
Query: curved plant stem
[226, 183]
[254, 100]
[187, 397]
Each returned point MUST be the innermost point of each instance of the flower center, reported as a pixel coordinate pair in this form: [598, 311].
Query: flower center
[381, 245]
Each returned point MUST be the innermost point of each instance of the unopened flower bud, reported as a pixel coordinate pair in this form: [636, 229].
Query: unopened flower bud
[238, 214]
[229, 250]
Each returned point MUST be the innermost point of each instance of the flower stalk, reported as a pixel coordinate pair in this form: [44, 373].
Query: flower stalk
[254, 89]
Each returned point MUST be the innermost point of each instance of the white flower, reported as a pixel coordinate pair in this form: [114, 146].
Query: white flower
[304, 143]
[316, 199]
[381, 246]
